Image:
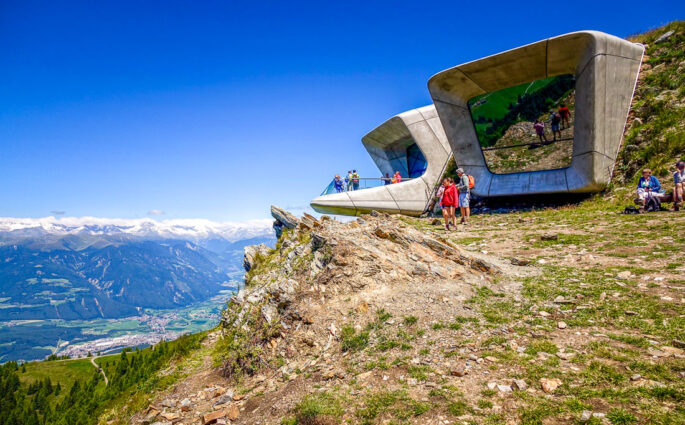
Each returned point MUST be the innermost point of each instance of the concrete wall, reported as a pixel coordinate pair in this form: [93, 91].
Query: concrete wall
[606, 69]
[387, 144]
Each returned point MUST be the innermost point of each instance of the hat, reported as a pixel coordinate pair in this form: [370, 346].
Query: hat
[460, 171]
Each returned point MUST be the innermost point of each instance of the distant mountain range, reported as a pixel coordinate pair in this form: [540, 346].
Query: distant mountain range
[85, 268]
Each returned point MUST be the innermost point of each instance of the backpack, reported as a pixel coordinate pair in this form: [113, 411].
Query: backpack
[653, 204]
[472, 182]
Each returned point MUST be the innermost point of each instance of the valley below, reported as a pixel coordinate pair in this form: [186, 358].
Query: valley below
[73, 288]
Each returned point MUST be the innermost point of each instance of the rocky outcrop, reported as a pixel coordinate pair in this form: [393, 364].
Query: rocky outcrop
[251, 253]
[283, 218]
[325, 262]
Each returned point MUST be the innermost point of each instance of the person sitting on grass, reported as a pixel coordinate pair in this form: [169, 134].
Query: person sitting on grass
[678, 185]
[647, 186]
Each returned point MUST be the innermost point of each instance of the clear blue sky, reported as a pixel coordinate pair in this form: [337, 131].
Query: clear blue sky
[218, 109]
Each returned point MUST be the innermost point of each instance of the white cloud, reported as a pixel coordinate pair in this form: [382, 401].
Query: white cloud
[191, 229]
[155, 212]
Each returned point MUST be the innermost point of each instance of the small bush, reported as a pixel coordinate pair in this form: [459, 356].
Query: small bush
[353, 341]
[621, 417]
[410, 320]
[320, 408]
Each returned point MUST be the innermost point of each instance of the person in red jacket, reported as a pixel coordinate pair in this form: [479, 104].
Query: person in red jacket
[565, 114]
[449, 203]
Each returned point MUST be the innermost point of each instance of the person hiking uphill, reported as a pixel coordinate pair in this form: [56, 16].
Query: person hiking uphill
[539, 127]
[565, 114]
[464, 188]
[555, 120]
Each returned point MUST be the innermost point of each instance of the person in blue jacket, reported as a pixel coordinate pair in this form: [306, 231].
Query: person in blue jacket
[647, 186]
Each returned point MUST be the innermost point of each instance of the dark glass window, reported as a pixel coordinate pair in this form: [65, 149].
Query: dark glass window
[416, 162]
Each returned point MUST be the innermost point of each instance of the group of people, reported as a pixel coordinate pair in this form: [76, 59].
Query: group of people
[557, 119]
[350, 183]
[396, 178]
[649, 188]
[453, 195]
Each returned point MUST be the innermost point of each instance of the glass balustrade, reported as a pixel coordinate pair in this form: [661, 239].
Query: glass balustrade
[364, 183]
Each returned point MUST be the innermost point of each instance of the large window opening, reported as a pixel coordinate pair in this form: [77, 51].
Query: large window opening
[528, 127]
[416, 162]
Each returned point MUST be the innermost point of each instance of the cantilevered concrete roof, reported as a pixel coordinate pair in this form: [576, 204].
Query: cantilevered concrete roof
[387, 145]
[605, 68]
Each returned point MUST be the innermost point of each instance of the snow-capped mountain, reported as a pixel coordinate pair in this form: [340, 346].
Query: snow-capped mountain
[84, 268]
[194, 230]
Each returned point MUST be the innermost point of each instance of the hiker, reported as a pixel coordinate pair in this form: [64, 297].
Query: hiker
[348, 181]
[338, 183]
[565, 114]
[555, 120]
[397, 178]
[648, 186]
[355, 180]
[449, 202]
[539, 127]
[464, 196]
[678, 185]
[386, 179]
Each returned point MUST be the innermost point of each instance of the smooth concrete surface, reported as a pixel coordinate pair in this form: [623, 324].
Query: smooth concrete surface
[387, 144]
[605, 68]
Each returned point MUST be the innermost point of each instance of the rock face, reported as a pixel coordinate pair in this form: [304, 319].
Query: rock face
[290, 302]
[250, 254]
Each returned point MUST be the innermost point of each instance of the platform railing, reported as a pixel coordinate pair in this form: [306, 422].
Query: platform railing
[364, 183]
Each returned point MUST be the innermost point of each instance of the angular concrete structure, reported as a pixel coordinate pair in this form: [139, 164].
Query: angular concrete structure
[390, 145]
[605, 69]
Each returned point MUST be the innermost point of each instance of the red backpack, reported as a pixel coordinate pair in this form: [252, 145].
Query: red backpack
[472, 182]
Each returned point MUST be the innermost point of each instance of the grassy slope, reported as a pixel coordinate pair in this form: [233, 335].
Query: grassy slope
[655, 136]
[64, 372]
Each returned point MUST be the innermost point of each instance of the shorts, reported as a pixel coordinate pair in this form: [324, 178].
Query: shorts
[555, 127]
[464, 199]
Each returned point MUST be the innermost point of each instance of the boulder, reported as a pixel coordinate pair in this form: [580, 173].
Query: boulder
[550, 385]
[211, 417]
[284, 217]
[665, 36]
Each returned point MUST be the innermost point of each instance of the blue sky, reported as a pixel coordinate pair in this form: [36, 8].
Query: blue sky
[218, 109]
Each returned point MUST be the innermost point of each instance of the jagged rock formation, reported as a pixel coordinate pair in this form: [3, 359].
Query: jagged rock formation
[250, 254]
[283, 219]
[326, 280]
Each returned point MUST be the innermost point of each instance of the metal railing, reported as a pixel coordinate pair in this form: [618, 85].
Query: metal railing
[364, 183]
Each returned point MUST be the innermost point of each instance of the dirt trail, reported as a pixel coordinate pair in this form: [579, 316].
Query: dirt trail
[101, 370]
